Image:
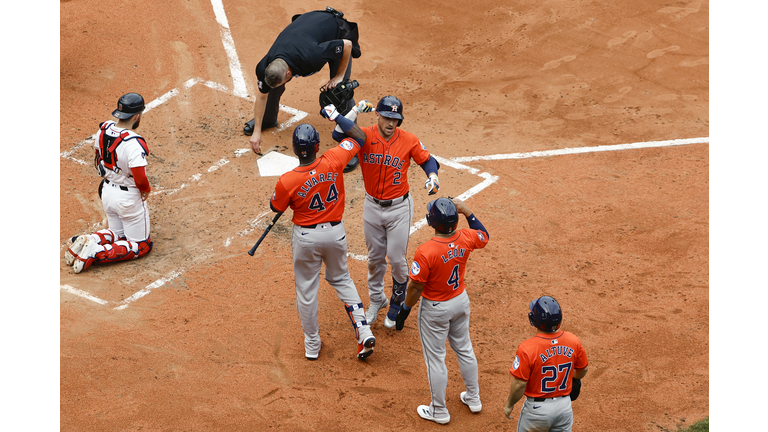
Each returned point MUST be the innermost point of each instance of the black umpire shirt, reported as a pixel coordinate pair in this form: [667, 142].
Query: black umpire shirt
[307, 44]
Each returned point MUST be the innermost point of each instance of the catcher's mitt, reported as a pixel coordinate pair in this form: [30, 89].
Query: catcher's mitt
[339, 96]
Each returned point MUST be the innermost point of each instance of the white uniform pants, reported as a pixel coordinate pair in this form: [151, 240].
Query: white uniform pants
[127, 214]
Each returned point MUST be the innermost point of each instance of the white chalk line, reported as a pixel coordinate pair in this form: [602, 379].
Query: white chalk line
[83, 294]
[156, 284]
[577, 150]
[229, 46]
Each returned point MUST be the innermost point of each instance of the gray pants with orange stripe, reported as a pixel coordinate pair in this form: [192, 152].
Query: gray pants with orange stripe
[311, 248]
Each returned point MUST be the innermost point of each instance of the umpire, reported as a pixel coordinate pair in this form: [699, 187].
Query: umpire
[302, 49]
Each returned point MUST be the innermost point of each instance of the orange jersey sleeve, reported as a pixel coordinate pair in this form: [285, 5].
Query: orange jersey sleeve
[315, 192]
[439, 264]
[547, 362]
[385, 164]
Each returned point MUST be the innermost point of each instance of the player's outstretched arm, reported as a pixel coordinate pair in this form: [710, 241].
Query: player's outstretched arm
[259, 106]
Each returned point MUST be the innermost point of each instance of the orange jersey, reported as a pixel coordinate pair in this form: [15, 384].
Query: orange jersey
[439, 264]
[547, 362]
[385, 164]
[316, 192]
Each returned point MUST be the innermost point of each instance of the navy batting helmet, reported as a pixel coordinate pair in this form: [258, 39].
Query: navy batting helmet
[545, 314]
[306, 140]
[442, 215]
[391, 107]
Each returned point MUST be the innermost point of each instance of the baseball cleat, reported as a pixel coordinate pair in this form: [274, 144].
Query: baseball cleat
[474, 408]
[388, 323]
[74, 251]
[373, 311]
[424, 413]
[365, 349]
[87, 255]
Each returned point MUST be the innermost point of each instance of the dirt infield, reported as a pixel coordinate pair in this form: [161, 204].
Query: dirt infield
[213, 340]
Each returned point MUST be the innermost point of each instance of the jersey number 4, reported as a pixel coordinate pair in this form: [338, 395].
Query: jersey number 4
[316, 203]
[454, 278]
[561, 371]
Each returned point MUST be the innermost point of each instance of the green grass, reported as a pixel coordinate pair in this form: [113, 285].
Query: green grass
[699, 426]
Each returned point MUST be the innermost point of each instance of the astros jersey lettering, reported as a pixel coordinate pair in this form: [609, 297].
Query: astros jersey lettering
[384, 165]
[315, 192]
[440, 263]
[548, 362]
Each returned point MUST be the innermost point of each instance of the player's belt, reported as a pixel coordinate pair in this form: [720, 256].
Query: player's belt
[125, 188]
[333, 224]
[387, 203]
[543, 399]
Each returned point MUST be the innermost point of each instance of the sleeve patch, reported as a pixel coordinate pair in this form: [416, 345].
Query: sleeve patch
[346, 145]
[516, 363]
[423, 147]
[415, 269]
[274, 195]
[481, 236]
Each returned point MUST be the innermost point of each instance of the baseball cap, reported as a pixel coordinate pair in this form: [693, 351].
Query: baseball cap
[128, 105]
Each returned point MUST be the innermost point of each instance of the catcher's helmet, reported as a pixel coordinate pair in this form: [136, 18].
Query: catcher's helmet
[545, 314]
[128, 106]
[391, 107]
[306, 140]
[442, 215]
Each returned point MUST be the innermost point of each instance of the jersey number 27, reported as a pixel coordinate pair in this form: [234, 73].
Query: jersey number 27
[561, 371]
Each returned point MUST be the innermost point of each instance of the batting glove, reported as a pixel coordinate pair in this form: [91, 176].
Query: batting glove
[402, 314]
[432, 185]
[329, 112]
[364, 107]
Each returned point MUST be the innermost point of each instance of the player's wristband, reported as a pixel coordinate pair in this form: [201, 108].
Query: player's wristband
[344, 123]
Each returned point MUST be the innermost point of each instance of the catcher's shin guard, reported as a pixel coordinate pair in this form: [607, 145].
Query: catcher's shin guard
[398, 296]
[106, 236]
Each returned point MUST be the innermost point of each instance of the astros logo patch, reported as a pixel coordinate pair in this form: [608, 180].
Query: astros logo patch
[415, 269]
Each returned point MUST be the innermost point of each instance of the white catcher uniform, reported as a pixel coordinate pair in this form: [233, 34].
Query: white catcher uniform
[117, 151]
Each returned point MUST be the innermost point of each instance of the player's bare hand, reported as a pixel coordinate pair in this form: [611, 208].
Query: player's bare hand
[256, 142]
[144, 196]
[461, 207]
[508, 411]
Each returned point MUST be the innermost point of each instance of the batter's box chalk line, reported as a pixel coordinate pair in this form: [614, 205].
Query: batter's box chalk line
[124, 303]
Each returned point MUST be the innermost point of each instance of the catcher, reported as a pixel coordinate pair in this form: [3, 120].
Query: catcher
[547, 369]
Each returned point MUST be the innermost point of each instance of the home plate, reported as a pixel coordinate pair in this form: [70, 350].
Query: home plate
[276, 164]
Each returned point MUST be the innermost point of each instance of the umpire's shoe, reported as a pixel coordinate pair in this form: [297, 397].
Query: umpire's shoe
[248, 129]
[352, 164]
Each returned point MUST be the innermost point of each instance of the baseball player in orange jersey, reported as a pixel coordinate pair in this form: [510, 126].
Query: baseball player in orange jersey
[315, 192]
[388, 209]
[437, 274]
[547, 369]
[121, 158]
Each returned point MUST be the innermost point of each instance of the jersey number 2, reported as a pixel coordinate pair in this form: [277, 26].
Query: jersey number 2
[555, 371]
[316, 203]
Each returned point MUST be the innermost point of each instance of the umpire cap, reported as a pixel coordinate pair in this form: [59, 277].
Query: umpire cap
[128, 106]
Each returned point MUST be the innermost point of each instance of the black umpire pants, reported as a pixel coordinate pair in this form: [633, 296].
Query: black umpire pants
[273, 99]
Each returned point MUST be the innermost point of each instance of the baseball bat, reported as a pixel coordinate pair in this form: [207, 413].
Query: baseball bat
[269, 227]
